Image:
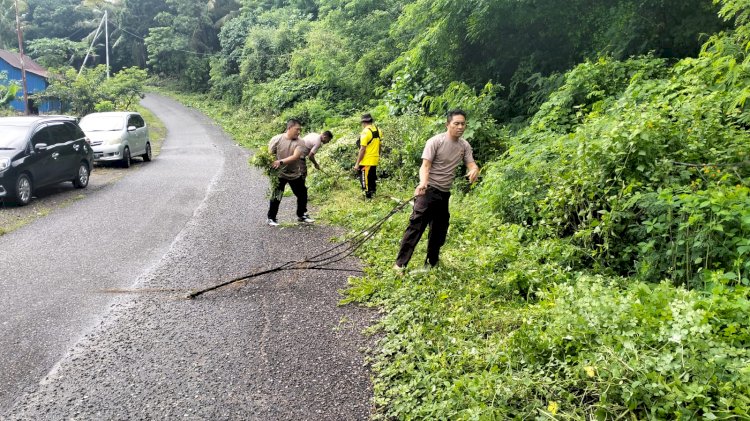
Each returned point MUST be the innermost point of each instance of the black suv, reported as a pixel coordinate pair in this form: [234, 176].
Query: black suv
[39, 151]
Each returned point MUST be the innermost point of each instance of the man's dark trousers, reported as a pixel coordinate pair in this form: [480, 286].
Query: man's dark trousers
[298, 188]
[430, 209]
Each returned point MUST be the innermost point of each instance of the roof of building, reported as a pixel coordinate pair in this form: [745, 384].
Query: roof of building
[14, 59]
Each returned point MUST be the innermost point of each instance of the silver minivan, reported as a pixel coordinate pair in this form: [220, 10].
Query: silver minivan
[117, 136]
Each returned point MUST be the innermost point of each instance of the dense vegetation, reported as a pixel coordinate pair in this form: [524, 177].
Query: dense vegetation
[272, 55]
[599, 269]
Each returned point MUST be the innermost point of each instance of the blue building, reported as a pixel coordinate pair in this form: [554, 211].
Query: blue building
[36, 79]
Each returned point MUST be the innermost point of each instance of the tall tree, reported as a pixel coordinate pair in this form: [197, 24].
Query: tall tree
[133, 21]
[8, 39]
[56, 52]
[68, 19]
[478, 40]
[182, 41]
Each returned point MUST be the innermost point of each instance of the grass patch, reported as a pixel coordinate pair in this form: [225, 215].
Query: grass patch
[13, 218]
[12, 225]
[157, 132]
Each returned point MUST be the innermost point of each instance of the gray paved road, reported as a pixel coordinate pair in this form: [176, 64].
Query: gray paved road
[275, 348]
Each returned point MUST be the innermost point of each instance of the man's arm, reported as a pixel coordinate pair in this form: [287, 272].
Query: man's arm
[362, 150]
[473, 171]
[424, 175]
[295, 156]
[312, 159]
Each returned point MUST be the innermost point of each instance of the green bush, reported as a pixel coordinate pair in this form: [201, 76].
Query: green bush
[582, 176]
[588, 87]
[653, 352]
[688, 234]
[310, 112]
[228, 88]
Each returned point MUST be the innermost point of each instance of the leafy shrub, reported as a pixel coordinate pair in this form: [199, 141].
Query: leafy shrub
[585, 182]
[691, 233]
[8, 90]
[273, 97]
[103, 106]
[311, 113]
[586, 87]
[228, 88]
[92, 90]
[408, 91]
[196, 73]
[649, 351]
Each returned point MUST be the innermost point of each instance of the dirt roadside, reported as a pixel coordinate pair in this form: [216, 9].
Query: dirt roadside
[48, 199]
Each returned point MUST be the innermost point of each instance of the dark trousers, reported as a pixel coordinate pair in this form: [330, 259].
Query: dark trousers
[430, 209]
[298, 188]
[368, 179]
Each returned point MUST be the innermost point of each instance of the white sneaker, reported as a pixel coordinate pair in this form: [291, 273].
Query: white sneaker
[305, 218]
[272, 222]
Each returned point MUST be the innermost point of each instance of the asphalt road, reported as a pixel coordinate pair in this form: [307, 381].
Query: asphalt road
[93, 323]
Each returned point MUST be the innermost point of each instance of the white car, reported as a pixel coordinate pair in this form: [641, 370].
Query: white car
[117, 136]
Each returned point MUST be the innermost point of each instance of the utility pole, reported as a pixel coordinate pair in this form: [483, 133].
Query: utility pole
[106, 39]
[23, 66]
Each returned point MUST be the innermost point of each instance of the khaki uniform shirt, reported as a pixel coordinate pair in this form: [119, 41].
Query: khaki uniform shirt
[312, 142]
[283, 147]
[445, 155]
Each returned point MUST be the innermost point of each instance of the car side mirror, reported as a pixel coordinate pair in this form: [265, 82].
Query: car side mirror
[40, 147]
[131, 128]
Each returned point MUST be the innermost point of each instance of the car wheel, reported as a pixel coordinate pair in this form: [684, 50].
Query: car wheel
[147, 156]
[125, 158]
[24, 189]
[82, 179]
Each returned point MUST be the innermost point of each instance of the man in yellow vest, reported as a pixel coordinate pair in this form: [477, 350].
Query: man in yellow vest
[369, 155]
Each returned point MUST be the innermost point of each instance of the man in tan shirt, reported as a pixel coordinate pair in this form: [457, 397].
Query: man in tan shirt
[442, 154]
[313, 142]
[288, 148]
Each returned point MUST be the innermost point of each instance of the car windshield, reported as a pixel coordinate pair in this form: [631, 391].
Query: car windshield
[101, 123]
[12, 137]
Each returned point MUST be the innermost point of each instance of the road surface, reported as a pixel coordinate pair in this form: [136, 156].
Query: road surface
[93, 324]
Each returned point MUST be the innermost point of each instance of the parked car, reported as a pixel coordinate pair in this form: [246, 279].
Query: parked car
[39, 151]
[117, 136]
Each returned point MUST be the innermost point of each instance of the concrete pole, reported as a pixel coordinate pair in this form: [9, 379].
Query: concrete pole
[88, 52]
[106, 39]
[23, 66]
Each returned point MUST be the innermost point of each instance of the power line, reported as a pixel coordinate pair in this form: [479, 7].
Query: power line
[143, 39]
[126, 31]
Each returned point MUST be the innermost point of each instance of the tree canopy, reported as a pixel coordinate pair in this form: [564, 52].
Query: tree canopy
[351, 51]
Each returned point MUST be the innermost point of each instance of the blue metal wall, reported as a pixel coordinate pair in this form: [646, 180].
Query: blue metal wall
[34, 82]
